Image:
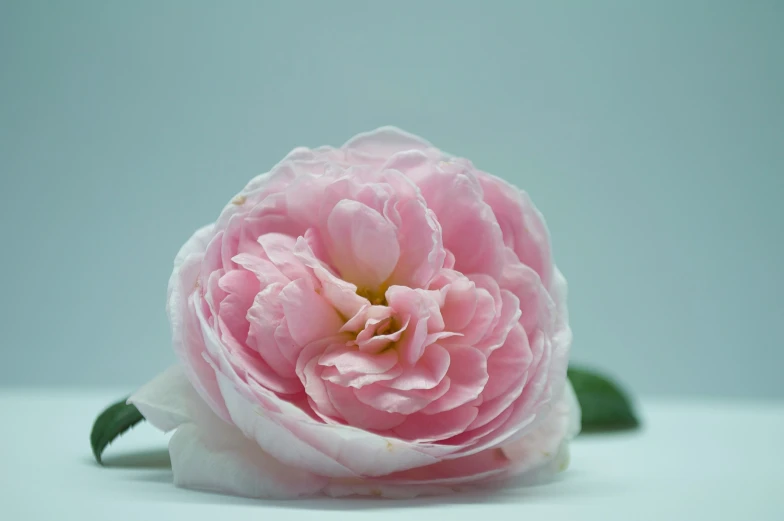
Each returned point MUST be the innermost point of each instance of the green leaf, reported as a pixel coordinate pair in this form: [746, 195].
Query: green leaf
[605, 406]
[111, 423]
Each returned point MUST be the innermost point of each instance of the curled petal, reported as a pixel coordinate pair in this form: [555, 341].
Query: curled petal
[363, 245]
[468, 376]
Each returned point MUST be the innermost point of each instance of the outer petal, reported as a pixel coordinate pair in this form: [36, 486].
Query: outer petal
[542, 444]
[210, 454]
[385, 141]
[523, 227]
[168, 400]
[187, 339]
[221, 459]
[196, 244]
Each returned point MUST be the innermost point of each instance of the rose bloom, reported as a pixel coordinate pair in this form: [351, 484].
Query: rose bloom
[380, 318]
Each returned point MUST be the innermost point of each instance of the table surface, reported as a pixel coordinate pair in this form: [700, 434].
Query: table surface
[701, 460]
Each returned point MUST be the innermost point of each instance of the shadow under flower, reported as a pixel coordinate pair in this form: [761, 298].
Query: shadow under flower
[143, 459]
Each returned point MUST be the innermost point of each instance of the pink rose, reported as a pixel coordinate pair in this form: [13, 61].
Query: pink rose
[380, 318]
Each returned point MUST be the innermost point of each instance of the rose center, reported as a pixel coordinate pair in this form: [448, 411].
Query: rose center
[386, 326]
[376, 297]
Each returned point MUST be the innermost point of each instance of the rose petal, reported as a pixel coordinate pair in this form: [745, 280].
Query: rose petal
[162, 401]
[359, 414]
[384, 398]
[433, 427]
[385, 141]
[468, 375]
[229, 463]
[363, 245]
[428, 372]
[422, 251]
[309, 316]
[341, 294]
[349, 361]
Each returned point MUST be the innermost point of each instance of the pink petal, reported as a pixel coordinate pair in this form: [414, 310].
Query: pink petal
[507, 319]
[363, 245]
[241, 287]
[421, 250]
[523, 227]
[341, 294]
[432, 427]
[309, 316]
[507, 363]
[468, 374]
[348, 361]
[421, 309]
[358, 379]
[279, 249]
[469, 228]
[536, 304]
[357, 323]
[370, 341]
[460, 304]
[357, 413]
[384, 398]
[264, 270]
[316, 389]
[268, 334]
[428, 372]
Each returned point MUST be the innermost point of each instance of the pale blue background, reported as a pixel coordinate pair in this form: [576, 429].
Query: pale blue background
[650, 134]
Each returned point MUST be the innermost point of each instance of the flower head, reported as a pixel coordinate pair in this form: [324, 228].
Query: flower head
[379, 317]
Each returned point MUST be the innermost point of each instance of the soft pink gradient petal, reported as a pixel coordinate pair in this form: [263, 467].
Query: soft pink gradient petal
[505, 364]
[522, 225]
[362, 243]
[351, 408]
[469, 229]
[309, 316]
[422, 251]
[428, 372]
[420, 310]
[348, 361]
[386, 398]
[341, 294]
[468, 376]
[435, 427]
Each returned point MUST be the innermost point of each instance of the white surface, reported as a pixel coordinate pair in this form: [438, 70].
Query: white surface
[693, 460]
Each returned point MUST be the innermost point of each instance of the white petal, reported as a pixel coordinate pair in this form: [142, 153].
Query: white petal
[168, 400]
[385, 141]
[534, 451]
[257, 425]
[220, 459]
[196, 244]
